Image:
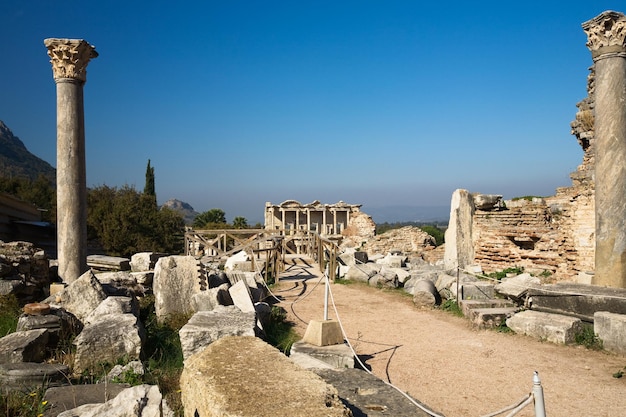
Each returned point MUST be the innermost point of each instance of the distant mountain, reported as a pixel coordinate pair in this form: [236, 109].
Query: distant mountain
[17, 161]
[189, 214]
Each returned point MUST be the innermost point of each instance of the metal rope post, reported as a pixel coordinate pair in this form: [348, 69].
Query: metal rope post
[540, 406]
[326, 293]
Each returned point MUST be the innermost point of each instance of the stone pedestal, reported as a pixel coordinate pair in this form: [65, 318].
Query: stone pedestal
[69, 59]
[606, 35]
[323, 333]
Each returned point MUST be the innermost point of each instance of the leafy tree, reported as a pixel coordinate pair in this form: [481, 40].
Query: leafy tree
[240, 223]
[149, 187]
[435, 232]
[125, 222]
[39, 192]
[212, 219]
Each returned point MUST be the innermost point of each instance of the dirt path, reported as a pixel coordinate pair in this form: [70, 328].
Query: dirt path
[458, 371]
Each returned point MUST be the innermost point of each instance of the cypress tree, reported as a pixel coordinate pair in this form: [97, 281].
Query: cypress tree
[149, 187]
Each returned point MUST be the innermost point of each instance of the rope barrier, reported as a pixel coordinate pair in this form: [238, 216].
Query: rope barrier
[515, 408]
[343, 331]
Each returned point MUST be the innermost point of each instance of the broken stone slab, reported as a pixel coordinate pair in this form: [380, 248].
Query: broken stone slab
[611, 329]
[119, 283]
[68, 397]
[393, 261]
[24, 346]
[554, 328]
[109, 339]
[242, 299]
[211, 298]
[49, 322]
[144, 261]
[143, 278]
[28, 375]
[108, 263]
[479, 290]
[491, 317]
[361, 273]
[136, 367]
[416, 276]
[241, 257]
[577, 300]
[468, 305]
[138, 401]
[402, 274]
[385, 278]
[487, 201]
[517, 287]
[335, 356]
[206, 327]
[81, 297]
[257, 290]
[113, 305]
[11, 286]
[444, 281]
[220, 380]
[366, 395]
[176, 280]
[346, 258]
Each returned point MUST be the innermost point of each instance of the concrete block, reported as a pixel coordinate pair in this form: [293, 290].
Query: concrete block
[332, 356]
[323, 333]
[611, 328]
[554, 328]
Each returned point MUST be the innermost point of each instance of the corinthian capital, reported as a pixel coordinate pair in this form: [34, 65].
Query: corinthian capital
[69, 57]
[606, 34]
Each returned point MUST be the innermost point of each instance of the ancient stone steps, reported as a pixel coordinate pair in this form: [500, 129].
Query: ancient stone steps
[489, 313]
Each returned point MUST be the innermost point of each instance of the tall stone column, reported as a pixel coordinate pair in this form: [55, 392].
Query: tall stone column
[69, 59]
[606, 34]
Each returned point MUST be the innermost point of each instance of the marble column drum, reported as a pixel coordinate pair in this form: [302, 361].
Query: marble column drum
[69, 59]
[606, 34]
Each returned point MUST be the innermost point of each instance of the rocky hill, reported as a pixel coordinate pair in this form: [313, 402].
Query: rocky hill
[189, 214]
[17, 161]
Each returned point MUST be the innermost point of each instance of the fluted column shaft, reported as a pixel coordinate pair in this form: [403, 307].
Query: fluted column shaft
[69, 59]
[606, 34]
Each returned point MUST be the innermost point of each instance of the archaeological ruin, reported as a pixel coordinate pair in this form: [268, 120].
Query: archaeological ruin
[325, 219]
[579, 233]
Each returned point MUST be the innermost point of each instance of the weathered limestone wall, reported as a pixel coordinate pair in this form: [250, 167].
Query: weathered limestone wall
[555, 235]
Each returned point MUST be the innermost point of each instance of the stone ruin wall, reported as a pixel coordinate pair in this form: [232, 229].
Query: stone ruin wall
[555, 234]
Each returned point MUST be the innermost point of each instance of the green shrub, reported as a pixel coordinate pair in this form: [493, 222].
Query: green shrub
[279, 332]
[24, 404]
[451, 306]
[587, 338]
[502, 274]
[9, 313]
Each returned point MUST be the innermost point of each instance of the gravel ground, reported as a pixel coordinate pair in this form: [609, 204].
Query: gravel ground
[456, 370]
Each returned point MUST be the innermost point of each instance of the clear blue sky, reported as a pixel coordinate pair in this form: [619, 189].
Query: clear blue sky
[380, 103]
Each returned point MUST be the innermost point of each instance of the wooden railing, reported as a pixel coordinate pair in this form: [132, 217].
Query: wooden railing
[271, 245]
